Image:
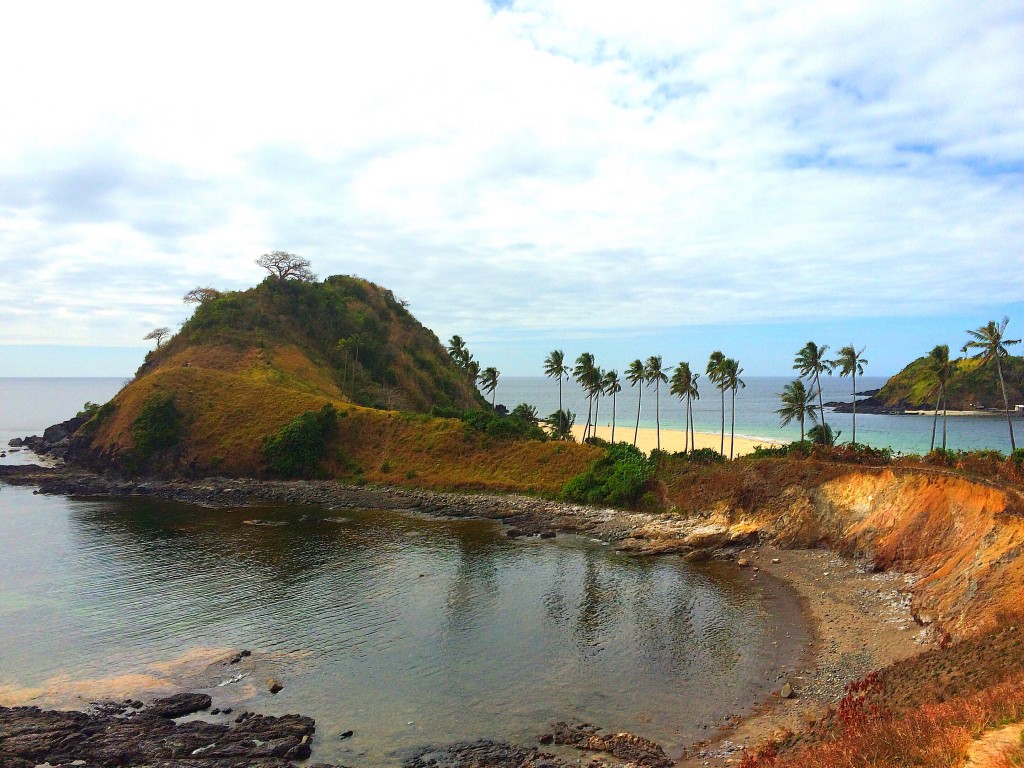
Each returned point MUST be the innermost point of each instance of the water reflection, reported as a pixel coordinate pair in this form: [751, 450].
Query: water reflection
[398, 619]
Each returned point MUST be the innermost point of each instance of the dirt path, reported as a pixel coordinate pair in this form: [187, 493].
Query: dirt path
[991, 749]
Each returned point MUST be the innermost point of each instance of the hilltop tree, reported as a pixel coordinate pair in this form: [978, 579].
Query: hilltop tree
[636, 374]
[797, 403]
[555, 367]
[287, 266]
[489, 381]
[942, 369]
[457, 351]
[200, 295]
[731, 380]
[850, 363]
[612, 386]
[159, 334]
[716, 375]
[810, 363]
[655, 372]
[991, 346]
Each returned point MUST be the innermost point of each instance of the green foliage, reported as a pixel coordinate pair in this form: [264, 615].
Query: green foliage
[823, 435]
[157, 426]
[98, 413]
[1017, 456]
[505, 427]
[701, 456]
[617, 478]
[524, 411]
[561, 422]
[295, 450]
[969, 384]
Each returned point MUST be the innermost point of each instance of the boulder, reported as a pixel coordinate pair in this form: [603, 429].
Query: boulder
[787, 691]
[274, 685]
[179, 705]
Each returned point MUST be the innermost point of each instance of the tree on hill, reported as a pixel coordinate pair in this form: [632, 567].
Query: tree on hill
[810, 363]
[637, 374]
[158, 334]
[458, 352]
[991, 346]
[584, 375]
[489, 381]
[200, 295]
[798, 404]
[655, 372]
[941, 368]
[850, 363]
[555, 368]
[287, 266]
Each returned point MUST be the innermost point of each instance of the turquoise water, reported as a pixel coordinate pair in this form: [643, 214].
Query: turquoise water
[756, 417]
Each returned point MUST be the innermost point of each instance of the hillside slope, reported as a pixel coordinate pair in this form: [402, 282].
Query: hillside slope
[971, 385]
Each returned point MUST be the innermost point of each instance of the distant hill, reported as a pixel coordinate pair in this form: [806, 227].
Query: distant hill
[971, 386]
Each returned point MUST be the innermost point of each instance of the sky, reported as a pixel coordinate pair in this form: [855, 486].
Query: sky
[626, 179]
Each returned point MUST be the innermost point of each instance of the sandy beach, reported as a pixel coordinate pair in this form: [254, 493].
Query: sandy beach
[672, 440]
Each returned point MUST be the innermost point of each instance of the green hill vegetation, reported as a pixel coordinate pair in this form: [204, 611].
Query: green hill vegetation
[971, 385]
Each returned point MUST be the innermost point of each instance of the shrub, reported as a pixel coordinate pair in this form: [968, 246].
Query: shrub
[296, 449]
[700, 456]
[617, 478]
[157, 426]
[99, 414]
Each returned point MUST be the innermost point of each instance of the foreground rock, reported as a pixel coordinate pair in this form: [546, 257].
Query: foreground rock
[125, 736]
[635, 750]
[482, 754]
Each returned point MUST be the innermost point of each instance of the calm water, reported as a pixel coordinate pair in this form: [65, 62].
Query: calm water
[408, 630]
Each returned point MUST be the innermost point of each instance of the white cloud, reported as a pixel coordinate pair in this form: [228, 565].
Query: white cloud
[554, 165]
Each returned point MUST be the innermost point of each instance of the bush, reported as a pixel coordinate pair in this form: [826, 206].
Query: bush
[700, 456]
[99, 414]
[157, 426]
[296, 449]
[617, 478]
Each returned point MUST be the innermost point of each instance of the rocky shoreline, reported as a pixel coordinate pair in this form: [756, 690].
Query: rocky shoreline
[860, 619]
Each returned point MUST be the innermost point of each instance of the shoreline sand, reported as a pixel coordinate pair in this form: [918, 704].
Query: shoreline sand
[673, 440]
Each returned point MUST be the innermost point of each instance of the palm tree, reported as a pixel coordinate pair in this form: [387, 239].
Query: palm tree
[991, 346]
[595, 385]
[457, 350]
[489, 381]
[655, 372]
[810, 363]
[583, 373]
[473, 368]
[612, 386]
[636, 374]
[682, 381]
[941, 368]
[693, 394]
[797, 403]
[716, 374]
[732, 380]
[555, 367]
[850, 363]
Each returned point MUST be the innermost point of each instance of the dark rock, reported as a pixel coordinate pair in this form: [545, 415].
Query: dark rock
[179, 705]
[345, 735]
[244, 654]
[215, 711]
[513, 533]
[481, 754]
[547, 534]
[16, 442]
[274, 685]
[626, 746]
[227, 711]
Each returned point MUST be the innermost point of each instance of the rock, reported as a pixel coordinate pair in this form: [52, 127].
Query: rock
[547, 534]
[265, 523]
[16, 442]
[787, 691]
[345, 735]
[513, 533]
[776, 560]
[179, 705]
[697, 556]
[634, 749]
[477, 754]
[274, 685]
[743, 562]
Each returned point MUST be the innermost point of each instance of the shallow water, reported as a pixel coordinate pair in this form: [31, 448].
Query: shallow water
[408, 630]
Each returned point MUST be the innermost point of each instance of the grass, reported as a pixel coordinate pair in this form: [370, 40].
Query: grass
[925, 711]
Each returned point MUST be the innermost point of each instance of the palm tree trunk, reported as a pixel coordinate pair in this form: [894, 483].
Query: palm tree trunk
[721, 447]
[639, 399]
[613, 418]
[590, 406]
[686, 426]
[853, 440]
[732, 436]
[657, 414]
[559, 391]
[935, 418]
[693, 437]
[597, 406]
[1006, 403]
[801, 426]
[821, 408]
[943, 418]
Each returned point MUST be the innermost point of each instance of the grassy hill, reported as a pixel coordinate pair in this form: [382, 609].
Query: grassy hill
[971, 385]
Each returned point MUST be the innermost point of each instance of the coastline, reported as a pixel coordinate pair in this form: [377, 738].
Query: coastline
[858, 620]
[674, 440]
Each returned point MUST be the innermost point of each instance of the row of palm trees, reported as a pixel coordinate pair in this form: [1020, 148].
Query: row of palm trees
[487, 377]
[722, 371]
